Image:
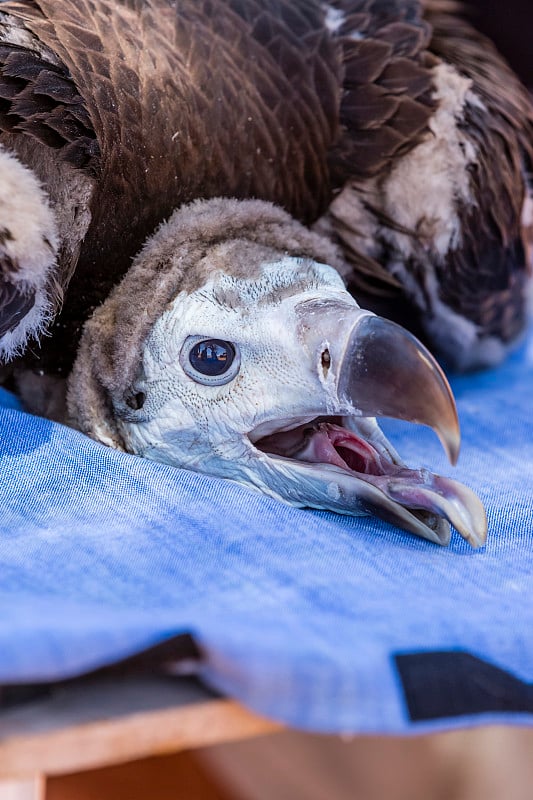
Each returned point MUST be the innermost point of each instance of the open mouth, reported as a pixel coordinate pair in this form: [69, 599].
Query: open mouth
[370, 477]
[325, 440]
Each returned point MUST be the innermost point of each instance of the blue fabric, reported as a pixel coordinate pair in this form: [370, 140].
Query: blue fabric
[299, 613]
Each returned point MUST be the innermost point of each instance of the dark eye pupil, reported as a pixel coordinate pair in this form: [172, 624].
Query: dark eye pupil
[212, 357]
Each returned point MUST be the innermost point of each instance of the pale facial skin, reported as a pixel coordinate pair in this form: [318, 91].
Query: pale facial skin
[274, 383]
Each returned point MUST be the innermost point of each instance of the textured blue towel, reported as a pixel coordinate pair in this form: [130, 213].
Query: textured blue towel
[325, 622]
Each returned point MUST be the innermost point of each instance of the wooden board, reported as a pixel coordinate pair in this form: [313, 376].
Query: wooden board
[24, 789]
[108, 721]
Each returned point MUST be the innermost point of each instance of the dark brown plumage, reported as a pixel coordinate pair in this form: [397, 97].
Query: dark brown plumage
[485, 280]
[155, 103]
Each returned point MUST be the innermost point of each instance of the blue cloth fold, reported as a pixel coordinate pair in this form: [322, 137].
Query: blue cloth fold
[302, 615]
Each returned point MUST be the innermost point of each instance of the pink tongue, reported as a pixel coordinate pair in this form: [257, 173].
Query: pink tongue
[331, 444]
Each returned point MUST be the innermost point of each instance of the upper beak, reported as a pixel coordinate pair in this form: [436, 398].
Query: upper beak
[379, 369]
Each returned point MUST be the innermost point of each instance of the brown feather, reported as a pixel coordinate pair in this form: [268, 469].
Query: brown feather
[485, 279]
[162, 102]
[194, 100]
[384, 56]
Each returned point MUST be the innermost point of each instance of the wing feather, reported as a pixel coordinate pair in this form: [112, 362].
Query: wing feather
[485, 280]
[386, 63]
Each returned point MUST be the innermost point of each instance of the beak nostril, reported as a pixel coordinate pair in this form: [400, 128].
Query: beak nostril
[326, 361]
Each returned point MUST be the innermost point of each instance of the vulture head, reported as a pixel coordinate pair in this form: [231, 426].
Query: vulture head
[232, 347]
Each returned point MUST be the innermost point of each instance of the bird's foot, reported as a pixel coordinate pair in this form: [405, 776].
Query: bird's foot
[28, 250]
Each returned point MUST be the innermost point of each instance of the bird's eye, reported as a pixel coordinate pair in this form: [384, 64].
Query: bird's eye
[210, 361]
[212, 357]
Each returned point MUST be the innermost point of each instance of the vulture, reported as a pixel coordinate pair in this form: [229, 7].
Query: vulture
[216, 213]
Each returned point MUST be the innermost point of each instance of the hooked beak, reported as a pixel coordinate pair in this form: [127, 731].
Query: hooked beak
[369, 367]
[381, 370]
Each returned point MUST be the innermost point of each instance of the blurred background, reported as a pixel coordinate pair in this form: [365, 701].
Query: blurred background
[491, 763]
[509, 24]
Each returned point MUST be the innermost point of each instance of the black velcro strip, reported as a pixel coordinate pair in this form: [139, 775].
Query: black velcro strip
[444, 684]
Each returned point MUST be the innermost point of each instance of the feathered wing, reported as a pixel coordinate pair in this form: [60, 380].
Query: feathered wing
[385, 108]
[433, 226]
[484, 278]
[393, 106]
[386, 100]
[38, 96]
[178, 101]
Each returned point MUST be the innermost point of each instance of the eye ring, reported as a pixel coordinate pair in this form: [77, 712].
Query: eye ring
[210, 361]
